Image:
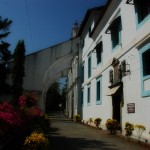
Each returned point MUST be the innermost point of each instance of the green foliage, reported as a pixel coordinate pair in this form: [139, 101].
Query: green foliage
[20, 122]
[18, 71]
[5, 55]
[97, 121]
[112, 125]
[53, 97]
[129, 128]
[28, 100]
[36, 141]
[77, 118]
[139, 129]
[40, 124]
[36, 120]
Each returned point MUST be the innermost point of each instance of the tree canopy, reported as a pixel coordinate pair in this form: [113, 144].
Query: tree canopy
[18, 71]
[53, 97]
[5, 55]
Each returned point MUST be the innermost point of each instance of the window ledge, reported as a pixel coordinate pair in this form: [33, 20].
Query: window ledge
[146, 93]
[98, 102]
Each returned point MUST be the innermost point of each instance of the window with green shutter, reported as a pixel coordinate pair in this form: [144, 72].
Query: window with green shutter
[99, 50]
[116, 28]
[99, 90]
[145, 69]
[89, 94]
[142, 8]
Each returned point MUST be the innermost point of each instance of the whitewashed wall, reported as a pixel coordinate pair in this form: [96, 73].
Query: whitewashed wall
[131, 39]
[72, 88]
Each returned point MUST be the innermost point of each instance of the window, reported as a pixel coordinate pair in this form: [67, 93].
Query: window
[82, 76]
[98, 90]
[145, 69]
[115, 29]
[146, 62]
[142, 8]
[99, 50]
[89, 67]
[88, 94]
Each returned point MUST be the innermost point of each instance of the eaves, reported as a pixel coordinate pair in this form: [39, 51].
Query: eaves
[108, 11]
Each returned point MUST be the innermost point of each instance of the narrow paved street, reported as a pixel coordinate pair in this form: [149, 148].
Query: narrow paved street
[66, 134]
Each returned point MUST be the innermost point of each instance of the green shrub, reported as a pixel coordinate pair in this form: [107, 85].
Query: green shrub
[97, 121]
[139, 129]
[77, 118]
[19, 123]
[129, 128]
[112, 125]
[36, 141]
[40, 123]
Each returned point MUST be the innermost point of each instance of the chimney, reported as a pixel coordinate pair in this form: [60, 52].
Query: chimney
[75, 29]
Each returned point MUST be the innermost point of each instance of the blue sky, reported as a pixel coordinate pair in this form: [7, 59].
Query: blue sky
[43, 23]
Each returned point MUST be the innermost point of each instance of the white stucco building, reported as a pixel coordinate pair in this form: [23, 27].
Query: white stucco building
[115, 57]
[73, 82]
[72, 89]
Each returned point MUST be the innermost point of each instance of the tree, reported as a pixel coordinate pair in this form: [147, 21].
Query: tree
[5, 55]
[53, 97]
[18, 71]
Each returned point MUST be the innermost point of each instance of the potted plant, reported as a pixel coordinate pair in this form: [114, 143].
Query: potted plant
[129, 128]
[112, 125]
[36, 141]
[97, 122]
[77, 118]
[139, 129]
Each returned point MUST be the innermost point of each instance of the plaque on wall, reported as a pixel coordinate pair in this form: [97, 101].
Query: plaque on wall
[131, 107]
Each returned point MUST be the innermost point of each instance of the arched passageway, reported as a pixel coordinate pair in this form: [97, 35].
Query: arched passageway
[43, 68]
[56, 96]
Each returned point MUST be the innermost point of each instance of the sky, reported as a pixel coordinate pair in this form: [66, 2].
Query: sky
[43, 23]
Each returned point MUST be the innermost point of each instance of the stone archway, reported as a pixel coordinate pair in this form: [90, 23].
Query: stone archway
[46, 66]
[57, 70]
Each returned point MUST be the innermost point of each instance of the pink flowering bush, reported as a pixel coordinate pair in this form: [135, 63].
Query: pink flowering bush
[36, 119]
[28, 106]
[27, 100]
[10, 118]
[32, 112]
[19, 122]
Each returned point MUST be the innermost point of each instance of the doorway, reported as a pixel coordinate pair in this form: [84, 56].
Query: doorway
[117, 103]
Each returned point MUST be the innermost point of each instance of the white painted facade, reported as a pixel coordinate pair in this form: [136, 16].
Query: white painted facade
[72, 89]
[133, 47]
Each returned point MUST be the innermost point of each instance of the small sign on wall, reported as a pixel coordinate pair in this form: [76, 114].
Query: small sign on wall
[131, 107]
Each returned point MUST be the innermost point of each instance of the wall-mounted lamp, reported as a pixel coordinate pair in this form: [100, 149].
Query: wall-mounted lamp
[125, 70]
[111, 76]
